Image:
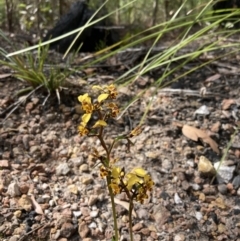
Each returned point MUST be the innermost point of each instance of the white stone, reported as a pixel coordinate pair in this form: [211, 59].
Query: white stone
[198, 215]
[62, 169]
[224, 173]
[203, 110]
[177, 199]
[195, 186]
[13, 190]
[46, 197]
[94, 214]
[51, 203]
[92, 225]
[46, 212]
[238, 191]
[44, 186]
[77, 214]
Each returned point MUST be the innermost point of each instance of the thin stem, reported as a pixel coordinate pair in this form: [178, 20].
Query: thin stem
[130, 197]
[108, 178]
[111, 147]
[113, 207]
[130, 219]
[100, 137]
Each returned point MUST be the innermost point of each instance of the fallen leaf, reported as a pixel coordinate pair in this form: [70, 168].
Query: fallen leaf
[36, 205]
[226, 71]
[226, 103]
[195, 134]
[89, 71]
[125, 205]
[213, 78]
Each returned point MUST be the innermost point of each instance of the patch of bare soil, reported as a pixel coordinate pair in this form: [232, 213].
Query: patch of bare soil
[50, 187]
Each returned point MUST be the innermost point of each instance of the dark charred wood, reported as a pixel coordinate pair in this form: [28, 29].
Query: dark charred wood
[230, 6]
[91, 38]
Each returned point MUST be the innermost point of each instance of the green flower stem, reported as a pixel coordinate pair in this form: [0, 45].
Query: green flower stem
[113, 207]
[130, 219]
[108, 178]
[130, 197]
[100, 137]
[111, 147]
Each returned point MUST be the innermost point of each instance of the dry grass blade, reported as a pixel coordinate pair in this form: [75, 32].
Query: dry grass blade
[37, 207]
[3, 76]
[18, 103]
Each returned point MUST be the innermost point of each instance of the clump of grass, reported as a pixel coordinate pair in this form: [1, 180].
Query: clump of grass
[135, 183]
[30, 68]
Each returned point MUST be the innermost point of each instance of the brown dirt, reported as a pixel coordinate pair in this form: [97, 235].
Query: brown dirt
[42, 154]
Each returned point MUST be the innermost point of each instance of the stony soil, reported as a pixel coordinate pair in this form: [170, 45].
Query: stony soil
[45, 164]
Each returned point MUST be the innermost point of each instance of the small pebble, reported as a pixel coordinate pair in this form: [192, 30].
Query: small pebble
[177, 199]
[74, 206]
[92, 200]
[195, 186]
[44, 186]
[94, 214]
[62, 169]
[18, 213]
[51, 203]
[222, 188]
[143, 213]
[14, 238]
[77, 214]
[4, 164]
[84, 168]
[203, 111]
[73, 189]
[238, 192]
[166, 164]
[224, 173]
[86, 179]
[205, 166]
[13, 190]
[92, 225]
[236, 182]
[137, 226]
[179, 237]
[198, 215]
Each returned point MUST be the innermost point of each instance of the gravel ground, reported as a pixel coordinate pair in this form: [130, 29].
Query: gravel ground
[45, 166]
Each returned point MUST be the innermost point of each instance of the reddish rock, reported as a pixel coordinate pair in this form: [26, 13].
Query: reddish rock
[67, 230]
[43, 233]
[137, 226]
[4, 164]
[83, 230]
[23, 187]
[145, 231]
